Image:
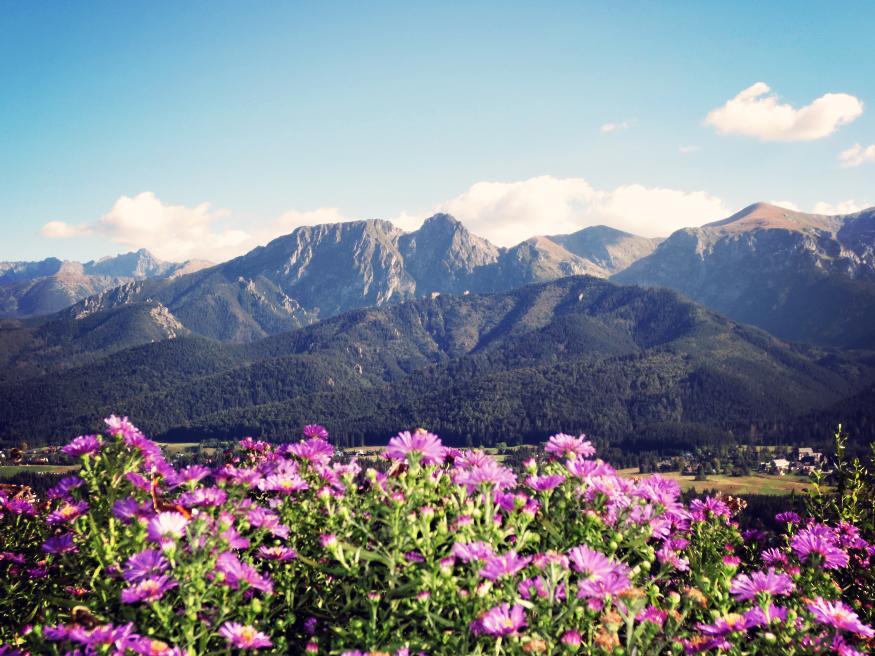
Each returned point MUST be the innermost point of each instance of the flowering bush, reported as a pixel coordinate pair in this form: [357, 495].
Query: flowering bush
[291, 549]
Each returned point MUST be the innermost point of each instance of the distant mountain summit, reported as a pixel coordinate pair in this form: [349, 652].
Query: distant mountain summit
[609, 249]
[800, 276]
[34, 288]
[324, 270]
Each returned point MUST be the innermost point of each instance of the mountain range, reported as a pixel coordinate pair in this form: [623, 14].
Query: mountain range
[317, 272]
[627, 364]
[802, 277]
[364, 326]
[43, 287]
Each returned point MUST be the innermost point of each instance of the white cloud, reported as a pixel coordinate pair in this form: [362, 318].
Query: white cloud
[616, 127]
[61, 230]
[756, 112]
[172, 232]
[509, 212]
[786, 204]
[686, 150]
[856, 155]
[842, 207]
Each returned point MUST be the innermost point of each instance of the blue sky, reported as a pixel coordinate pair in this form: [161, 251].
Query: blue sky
[201, 129]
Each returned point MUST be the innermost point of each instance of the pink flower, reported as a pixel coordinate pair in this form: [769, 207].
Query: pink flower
[243, 636]
[471, 551]
[839, 616]
[316, 450]
[420, 445]
[567, 446]
[121, 426]
[545, 483]
[507, 564]
[315, 431]
[166, 527]
[236, 572]
[818, 540]
[281, 554]
[489, 473]
[748, 586]
[83, 445]
[149, 590]
[500, 621]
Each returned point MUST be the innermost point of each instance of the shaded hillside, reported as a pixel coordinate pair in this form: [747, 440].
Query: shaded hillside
[575, 354]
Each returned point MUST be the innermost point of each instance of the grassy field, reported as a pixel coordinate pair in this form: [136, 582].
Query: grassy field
[735, 485]
[11, 470]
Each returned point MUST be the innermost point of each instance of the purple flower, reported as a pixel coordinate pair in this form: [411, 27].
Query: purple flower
[243, 636]
[166, 527]
[121, 426]
[489, 473]
[20, 507]
[127, 509]
[261, 517]
[507, 564]
[701, 510]
[471, 551]
[568, 446]
[585, 469]
[613, 584]
[149, 590]
[592, 564]
[653, 615]
[839, 616]
[725, 625]
[773, 557]
[421, 445]
[83, 445]
[281, 554]
[757, 616]
[106, 634]
[60, 544]
[500, 621]
[145, 564]
[62, 489]
[235, 572]
[819, 540]
[545, 483]
[203, 496]
[152, 647]
[788, 518]
[190, 474]
[315, 430]
[748, 586]
[316, 450]
[69, 512]
[284, 479]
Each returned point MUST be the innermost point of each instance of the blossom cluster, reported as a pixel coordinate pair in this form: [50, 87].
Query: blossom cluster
[293, 548]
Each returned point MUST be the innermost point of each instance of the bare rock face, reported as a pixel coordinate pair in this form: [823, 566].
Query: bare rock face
[609, 249]
[324, 270]
[800, 276]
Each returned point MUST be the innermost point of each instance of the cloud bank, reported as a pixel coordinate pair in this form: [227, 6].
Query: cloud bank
[757, 112]
[508, 212]
[857, 155]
